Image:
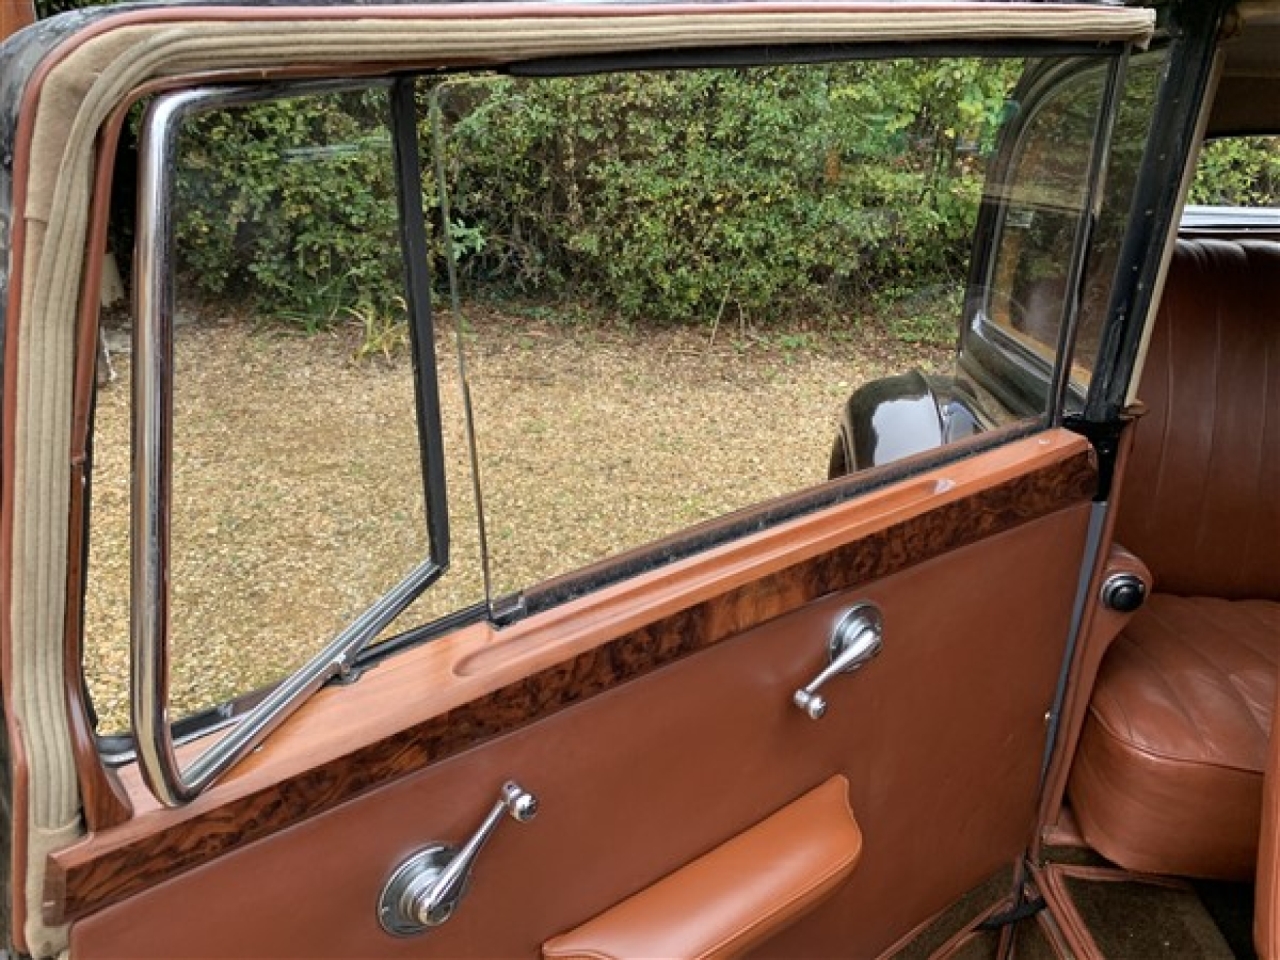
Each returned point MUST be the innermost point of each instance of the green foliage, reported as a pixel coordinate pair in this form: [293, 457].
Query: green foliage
[1242, 172]
[293, 204]
[773, 193]
[662, 196]
[924, 316]
[49, 8]
[381, 332]
[779, 191]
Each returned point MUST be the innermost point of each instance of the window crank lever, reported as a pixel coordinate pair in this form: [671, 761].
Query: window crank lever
[857, 639]
[425, 889]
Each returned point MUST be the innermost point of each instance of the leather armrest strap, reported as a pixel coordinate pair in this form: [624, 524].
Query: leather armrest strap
[737, 895]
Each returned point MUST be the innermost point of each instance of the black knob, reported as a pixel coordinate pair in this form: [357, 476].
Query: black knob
[1124, 592]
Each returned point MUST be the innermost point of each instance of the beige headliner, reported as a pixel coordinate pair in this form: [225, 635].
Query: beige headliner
[1248, 96]
[92, 77]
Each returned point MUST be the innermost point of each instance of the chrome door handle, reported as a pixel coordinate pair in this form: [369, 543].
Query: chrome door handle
[424, 890]
[856, 639]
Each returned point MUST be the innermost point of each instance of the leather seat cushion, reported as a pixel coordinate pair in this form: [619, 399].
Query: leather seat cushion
[1168, 776]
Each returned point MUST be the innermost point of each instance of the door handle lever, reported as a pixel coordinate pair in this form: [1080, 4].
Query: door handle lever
[856, 639]
[425, 889]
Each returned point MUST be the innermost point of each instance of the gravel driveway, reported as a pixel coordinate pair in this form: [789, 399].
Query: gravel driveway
[297, 492]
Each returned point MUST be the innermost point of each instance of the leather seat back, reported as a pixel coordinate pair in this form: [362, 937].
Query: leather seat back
[1201, 498]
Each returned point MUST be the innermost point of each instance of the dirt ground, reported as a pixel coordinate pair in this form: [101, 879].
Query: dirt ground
[297, 490]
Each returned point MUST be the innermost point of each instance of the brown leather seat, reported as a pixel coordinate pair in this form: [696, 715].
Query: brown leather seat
[1168, 774]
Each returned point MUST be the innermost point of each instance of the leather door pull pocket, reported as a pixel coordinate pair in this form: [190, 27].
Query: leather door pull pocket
[735, 896]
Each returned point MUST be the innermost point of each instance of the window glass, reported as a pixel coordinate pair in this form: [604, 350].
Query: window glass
[297, 494]
[1128, 141]
[670, 283]
[1038, 206]
[1043, 202]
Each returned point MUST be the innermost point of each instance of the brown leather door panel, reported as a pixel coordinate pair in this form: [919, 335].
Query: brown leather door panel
[940, 737]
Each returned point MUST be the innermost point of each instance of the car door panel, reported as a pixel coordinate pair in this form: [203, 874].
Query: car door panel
[650, 734]
[652, 717]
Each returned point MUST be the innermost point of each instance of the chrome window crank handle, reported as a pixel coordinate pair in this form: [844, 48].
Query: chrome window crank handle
[856, 640]
[425, 890]
[435, 904]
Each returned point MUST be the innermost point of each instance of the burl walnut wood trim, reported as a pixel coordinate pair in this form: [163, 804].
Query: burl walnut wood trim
[437, 701]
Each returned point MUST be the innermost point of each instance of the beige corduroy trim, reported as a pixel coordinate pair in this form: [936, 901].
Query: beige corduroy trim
[81, 91]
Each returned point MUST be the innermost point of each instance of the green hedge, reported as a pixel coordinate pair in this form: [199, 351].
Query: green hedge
[666, 197]
[291, 203]
[1243, 172]
[670, 197]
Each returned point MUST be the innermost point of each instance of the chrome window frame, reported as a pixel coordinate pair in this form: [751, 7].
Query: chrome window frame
[171, 783]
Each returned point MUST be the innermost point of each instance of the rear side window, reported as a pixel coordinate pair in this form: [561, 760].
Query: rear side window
[1023, 289]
